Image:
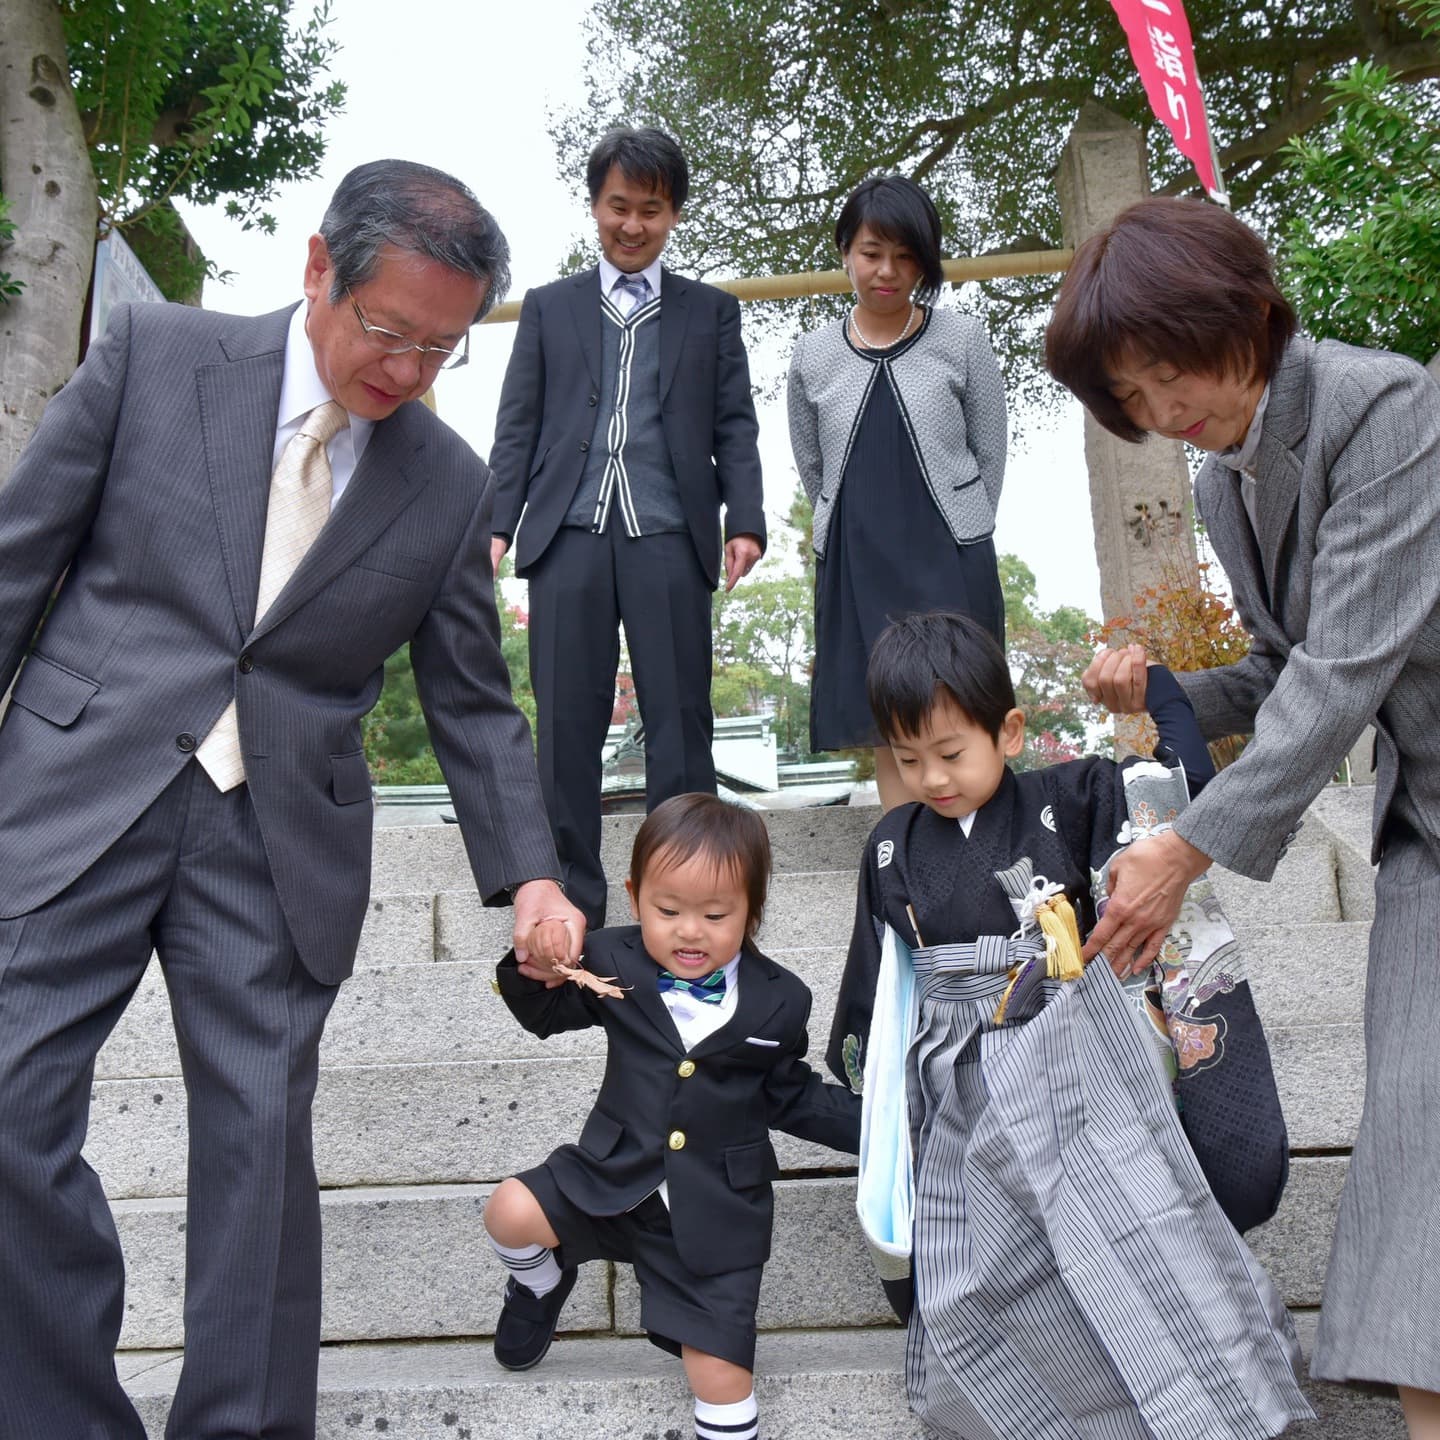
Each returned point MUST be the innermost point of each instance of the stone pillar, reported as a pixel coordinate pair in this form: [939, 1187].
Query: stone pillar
[1139, 494]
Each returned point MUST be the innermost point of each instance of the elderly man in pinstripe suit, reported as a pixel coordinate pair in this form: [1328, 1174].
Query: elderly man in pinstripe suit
[251, 515]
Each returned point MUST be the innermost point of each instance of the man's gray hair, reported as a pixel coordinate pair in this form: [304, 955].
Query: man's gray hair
[419, 210]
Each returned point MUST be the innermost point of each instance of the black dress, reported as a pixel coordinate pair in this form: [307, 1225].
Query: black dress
[889, 554]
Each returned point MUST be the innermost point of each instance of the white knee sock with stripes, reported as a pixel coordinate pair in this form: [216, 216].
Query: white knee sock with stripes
[740, 1421]
[533, 1266]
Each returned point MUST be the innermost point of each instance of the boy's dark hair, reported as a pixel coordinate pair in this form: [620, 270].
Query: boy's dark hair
[645, 156]
[731, 837]
[917, 658]
[1179, 281]
[898, 210]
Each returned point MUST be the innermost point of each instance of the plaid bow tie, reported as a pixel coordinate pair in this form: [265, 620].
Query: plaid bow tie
[710, 990]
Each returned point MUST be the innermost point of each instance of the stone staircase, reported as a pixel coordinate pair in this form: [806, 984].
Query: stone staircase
[430, 1094]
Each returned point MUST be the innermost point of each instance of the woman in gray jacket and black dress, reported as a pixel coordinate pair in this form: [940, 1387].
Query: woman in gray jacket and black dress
[897, 421]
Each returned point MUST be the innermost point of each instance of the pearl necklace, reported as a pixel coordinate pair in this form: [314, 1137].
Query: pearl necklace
[889, 344]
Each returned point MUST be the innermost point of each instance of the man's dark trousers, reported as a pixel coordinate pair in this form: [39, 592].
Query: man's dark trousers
[581, 590]
[189, 879]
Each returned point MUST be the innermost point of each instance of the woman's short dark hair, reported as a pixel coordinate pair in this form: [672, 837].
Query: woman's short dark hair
[922, 657]
[645, 156]
[729, 836]
[417, 209]
[896, 209]
[1181, 282]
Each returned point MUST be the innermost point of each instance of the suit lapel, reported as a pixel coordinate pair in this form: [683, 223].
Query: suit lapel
[387, 479]
[674, 318]
[239, 399]
[585, 312]
[637, 970]
[1277, 467]
[758, 1001]
[1225, 518]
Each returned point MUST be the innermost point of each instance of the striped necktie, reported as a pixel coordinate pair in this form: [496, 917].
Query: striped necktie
[630, 292]
[711, 989]
[300, 491]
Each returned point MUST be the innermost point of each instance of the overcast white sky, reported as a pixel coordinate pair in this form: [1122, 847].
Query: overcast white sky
[468, 89]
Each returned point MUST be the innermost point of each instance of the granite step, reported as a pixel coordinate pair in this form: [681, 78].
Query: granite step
[402, 1013]
[411, 1262]
[810, 1385]
[431, 912]
[457, 1122]
[432, 857]
[817, 908]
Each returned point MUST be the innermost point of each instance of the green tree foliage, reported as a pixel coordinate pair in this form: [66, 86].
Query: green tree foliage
[764, 643]
[1048, 653]
[205, 100]
[397, 742]
[9, 287]
[785, 105]
[1361, 255]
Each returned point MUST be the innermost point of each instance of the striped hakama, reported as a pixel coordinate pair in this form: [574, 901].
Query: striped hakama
[1074, 1277]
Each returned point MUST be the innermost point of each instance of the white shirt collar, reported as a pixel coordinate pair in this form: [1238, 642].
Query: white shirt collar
[301, 390]
[609, 274]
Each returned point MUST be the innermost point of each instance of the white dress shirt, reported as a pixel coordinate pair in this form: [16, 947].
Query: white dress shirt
[609, 275]
[301, 391]
[695, 1019]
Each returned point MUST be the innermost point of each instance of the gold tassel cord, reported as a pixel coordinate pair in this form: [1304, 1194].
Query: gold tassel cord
[1062, 939]
[1056, 918]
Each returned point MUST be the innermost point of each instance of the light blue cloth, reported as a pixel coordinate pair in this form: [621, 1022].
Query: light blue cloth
[885, 1194]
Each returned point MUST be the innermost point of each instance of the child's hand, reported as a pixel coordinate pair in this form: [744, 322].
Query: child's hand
[547, 928]
[1116, 679]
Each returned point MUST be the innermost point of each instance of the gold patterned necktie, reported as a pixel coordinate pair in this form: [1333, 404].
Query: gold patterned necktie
[300, 491]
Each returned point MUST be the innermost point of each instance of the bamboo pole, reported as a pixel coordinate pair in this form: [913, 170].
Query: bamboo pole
[837, 282]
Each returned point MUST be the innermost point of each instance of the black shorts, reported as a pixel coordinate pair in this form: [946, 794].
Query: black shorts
[714, 1314]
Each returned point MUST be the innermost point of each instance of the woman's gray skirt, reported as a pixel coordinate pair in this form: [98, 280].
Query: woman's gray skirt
[1074, 1277]
[1380, 1315]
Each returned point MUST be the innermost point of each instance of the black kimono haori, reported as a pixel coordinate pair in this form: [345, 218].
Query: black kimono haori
[1074, 1277]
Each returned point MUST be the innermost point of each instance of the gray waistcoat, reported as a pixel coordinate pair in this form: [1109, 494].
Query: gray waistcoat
[628, 467]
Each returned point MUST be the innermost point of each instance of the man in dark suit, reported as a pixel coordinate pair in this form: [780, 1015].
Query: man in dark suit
[250, 515]
[625, 424]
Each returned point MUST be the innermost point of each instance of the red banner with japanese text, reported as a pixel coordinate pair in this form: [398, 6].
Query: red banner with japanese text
[1159, 36]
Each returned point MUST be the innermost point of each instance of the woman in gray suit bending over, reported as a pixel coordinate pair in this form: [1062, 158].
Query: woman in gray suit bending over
[1321, 494]
[897, 421]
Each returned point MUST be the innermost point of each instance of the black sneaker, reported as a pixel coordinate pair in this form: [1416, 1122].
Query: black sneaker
[527, 1322]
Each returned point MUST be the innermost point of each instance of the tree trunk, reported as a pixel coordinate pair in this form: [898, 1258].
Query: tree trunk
[46, 175]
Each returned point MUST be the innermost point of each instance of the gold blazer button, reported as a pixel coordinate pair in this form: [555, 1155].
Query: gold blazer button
[677, 1139]
[685, 1069]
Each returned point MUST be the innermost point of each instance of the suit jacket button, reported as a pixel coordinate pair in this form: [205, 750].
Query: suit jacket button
[246, 663]
[584, 446]
[677, 1139]
[185, 742]
[685, 1069]
[593, 400]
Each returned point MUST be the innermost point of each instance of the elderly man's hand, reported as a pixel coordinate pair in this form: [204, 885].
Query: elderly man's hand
[1116, 679]
[542, 913]
[1147, 887]
[741, 556]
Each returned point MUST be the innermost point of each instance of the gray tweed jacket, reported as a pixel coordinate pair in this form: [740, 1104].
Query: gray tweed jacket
[1341, 597]
[952, 398]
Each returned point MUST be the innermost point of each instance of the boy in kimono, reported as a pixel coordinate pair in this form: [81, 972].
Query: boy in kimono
[1063, 1231]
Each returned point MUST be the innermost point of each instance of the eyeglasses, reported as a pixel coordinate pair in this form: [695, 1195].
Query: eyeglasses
[387, 342]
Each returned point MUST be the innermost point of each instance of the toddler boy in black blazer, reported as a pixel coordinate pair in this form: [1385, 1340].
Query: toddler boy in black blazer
[673, 1167]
